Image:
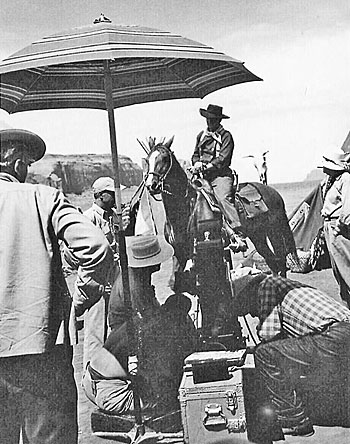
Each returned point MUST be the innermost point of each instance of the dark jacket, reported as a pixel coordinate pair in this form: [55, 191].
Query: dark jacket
[217, 150]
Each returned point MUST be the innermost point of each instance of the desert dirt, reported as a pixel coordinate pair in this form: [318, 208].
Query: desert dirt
[322, 280]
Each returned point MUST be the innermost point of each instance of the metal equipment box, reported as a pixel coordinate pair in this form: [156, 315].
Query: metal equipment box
[222, 408]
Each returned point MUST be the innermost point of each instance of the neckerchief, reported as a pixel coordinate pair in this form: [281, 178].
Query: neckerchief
[213, 135]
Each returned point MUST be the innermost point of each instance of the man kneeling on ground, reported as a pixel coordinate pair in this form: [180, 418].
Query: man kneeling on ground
[302, 330]
[164, 336]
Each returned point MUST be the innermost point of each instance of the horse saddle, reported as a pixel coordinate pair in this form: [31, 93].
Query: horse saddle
[203, 186]
[249, 201]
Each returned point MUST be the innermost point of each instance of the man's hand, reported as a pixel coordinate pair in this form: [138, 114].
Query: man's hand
[341, 229]
[126, 216]
[198, 167]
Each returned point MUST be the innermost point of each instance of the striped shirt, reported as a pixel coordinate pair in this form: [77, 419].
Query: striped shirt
[295, 309]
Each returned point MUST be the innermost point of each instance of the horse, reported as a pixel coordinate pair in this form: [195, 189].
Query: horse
[165, 176]
[197, 228]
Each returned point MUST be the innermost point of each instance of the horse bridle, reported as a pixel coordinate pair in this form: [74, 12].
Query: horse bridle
[162, 177]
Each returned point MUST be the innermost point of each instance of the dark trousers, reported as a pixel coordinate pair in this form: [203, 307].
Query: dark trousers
[323, 356]
[38, 396]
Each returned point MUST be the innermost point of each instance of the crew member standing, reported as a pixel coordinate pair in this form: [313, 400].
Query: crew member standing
[38, 395]
[102, 214]
[336, 214]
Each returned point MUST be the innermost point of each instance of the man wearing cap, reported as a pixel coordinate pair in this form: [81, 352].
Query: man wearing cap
[163, 337]
[212, 157]
[37, 388]
[303, 331]
[101, 214]
[336, 214]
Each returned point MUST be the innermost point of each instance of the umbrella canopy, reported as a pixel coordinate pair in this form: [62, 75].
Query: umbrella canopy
[66, 70]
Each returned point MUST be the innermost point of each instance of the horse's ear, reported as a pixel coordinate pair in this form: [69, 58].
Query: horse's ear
[169, 142]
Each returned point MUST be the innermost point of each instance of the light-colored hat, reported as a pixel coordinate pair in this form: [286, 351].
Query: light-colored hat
[147, 250]
[103, 184]
[213, 111]
[336, 161]
[34, 144]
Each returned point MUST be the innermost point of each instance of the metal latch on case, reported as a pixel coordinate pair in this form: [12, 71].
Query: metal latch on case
[232, 401]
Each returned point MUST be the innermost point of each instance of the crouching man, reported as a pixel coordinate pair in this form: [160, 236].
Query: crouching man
[302, 331]
[163, 341]
[164, 335]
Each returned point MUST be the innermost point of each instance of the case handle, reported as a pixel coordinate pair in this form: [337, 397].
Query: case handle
[214, 416]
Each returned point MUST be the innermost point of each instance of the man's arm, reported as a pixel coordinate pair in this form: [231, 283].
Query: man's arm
[196, 155]
[344, 217]
[270, 324]
[88, 245]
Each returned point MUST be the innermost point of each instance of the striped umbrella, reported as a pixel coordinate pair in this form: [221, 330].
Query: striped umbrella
[67, 70]
[106, 66]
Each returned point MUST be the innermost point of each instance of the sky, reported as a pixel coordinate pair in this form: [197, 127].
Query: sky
[300, 48]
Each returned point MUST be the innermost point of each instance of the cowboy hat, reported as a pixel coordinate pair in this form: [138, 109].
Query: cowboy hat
[34, 144]
[147, 250]
[213, 111]
[336, 161]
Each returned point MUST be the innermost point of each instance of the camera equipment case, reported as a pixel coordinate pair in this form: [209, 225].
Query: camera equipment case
[219, 398]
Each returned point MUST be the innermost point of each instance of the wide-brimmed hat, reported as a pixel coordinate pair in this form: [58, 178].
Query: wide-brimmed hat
[213, 111]
[32, 143]
[336, 161]
[147, 250]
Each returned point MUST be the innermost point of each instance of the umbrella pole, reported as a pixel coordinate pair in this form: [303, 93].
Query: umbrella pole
[121, 235]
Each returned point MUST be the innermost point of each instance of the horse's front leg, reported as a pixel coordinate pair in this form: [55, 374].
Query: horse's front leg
[276, 264]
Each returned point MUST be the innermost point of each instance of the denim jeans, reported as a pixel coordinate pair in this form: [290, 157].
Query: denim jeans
[38, 396]
[281, 363]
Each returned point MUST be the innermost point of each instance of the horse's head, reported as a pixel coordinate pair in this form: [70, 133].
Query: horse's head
[159, 163]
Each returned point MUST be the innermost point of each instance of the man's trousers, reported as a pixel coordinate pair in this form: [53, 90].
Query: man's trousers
[38, 396]
[281, 363]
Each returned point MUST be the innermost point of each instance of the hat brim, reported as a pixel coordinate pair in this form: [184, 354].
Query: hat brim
[166, 252]
[205, 113]
[330, 165]
[33, 143]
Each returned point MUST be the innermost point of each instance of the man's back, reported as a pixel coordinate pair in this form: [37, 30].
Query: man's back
[34, 303]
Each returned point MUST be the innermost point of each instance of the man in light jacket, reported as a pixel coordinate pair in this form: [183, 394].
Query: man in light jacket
[37, 389]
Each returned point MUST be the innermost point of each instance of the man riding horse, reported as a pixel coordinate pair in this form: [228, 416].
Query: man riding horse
[212, 157]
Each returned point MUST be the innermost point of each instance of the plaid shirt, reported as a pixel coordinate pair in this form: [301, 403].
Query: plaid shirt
[295, 309]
